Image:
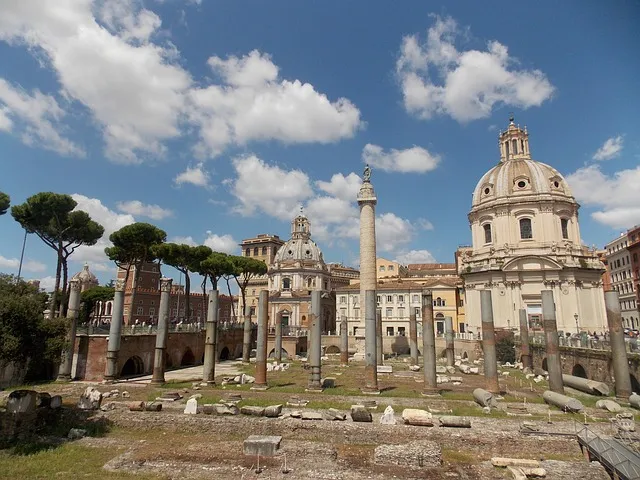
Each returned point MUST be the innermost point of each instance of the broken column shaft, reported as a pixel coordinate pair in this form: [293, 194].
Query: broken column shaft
[618, 347]
[428, 345]
[115, 333]
[551, 342]
[246, 339]
[315, 350]
[448, 335]
[163, 331]
[525, 354]
[413, 338]
[489, 343]
[278, 338]
[72, 314]
[379, 351]
[370, 363]
[261, 347]
[344, 340]
[211, 340]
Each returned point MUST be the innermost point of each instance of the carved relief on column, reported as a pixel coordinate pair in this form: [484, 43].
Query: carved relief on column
[74, 285]
[119, 285]
[165, 284]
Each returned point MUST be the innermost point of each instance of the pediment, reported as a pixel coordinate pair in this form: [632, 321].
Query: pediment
[530, 263]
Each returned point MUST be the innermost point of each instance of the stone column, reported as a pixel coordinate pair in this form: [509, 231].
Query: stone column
[344, 340]
[211, 340]
[370, 357]
[525, 354]
[379, 346]
[489, 343]
[367, 201]
[315, 350]
[413, 338]
[618, 348]
[448, 335]
[551, 340]
[115, 333]
[64, 373]
[261, 348]
[428, 345]
[246, 341]
[163, 331]
[278, 338]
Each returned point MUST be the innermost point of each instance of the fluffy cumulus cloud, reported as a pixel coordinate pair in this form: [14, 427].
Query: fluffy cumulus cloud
[438, 79]
[136, 207]
[35, 118]
[196, 175]
[221, 243]
[112, 58]
[611, 148]
[415, 159]
[415, 256]
[252, 102]
[185, 240]
[260, 187]
[614, 195]
[110, 220]
[47, 283]
[27, 265]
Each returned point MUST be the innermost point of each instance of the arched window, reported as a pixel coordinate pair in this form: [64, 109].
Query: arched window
[438, 302]
[247, 252]
[487, 232]
[564, 226]
[264, 250]
[515, 146]
[526, 231]
[286, 284]
[255, 251]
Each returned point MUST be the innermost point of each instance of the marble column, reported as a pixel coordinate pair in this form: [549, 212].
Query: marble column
[64, 373]
[211, 340]
[619, 357]
[428, 345]
[163, 331]
[554, 367]
[449, 338]
[379, 345]
[278, 340]
[344, 340]
[115, 333]
[261, 347]
[489, 343]
[315, 347]
[367, 201]
[413, 338]
[246, 339]
[525, 354]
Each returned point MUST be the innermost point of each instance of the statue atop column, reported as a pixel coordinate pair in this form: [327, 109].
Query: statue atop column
[366, 176]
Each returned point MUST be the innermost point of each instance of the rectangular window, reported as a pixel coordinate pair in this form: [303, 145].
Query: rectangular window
[389, 299]
[343, 299]
[487, 233]
[378, 299]
[564, 224]
[401, 298]
[526, 232]
[343, 312]
[152, 311]
[391, 268]
[416, 298]
[140, 311]
[401, 331]
[461, 303]
[389, 312]
[418, 312]
[401, 313]
[356, 312]
[389, 331]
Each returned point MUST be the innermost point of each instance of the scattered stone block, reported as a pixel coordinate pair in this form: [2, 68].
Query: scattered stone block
[534, 472]
[609, 405]
[388, 417]
[252, 411]
[311, 416]
[360, 413]
[273, 411]
[441, 369]
[153, 407]
[417, 417]
[76, 433]
[451, 370]
[263, 445]
[626, 425]
[56, 402]
[136, 406]
[328, 382]
[125, 394]
[197, 396]
[474, 370]
[370, 404]
[418, 454]
[455, 422]
[334, 414]
[22, 401]
[506, 374]
[442, 379]
[514, 462]
[385, 369]
[43, 400]
[517, 473]
[414, 368]
[466, 369]
[90, 399]
[296, 414]
[169, 397]
[297, 402]
[191, 408]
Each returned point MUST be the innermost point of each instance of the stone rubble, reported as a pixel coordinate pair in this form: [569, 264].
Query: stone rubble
[90, 399]
[388, 417]
[417, 417]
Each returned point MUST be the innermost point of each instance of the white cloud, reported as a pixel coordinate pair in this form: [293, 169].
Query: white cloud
[415, 256]
[415, 159]
[610, 149]
[184, 240]
[47, 283]
[129, 85]
[424, 224]
[222, 243]
[136, 207]
[27, 265]
[267, 188]
[345, 188]
[110, 220]
[197, 176]
[253, 103]
[36, 118]
[393, 233]
[615, 195]
[472, 82]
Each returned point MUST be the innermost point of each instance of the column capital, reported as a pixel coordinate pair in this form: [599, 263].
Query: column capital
[367, 194]
[74, 285]
[119, 285]
[165, 284]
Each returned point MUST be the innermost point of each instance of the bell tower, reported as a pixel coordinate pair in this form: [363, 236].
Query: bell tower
[514, 143]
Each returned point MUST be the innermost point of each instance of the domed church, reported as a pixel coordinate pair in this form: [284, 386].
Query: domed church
[525, 239]
[298, 269]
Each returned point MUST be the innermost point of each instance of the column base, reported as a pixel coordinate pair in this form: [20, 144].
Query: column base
[155, 381]
[431, 393]
[314, 389]
[370, 391]
[109, 381]
[63, 378]
[209, 383]
[261, 388]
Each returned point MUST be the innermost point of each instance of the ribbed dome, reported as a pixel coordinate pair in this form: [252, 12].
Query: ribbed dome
[299, 249]
[85, 276]
[520, 178]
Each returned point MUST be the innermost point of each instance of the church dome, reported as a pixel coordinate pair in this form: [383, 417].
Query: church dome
[85, 276]
[299, 247]
[517, 177]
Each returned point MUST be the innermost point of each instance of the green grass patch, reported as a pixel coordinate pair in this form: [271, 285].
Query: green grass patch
[456, 456]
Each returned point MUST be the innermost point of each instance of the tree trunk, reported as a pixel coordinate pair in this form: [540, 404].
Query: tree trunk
[187, 297]
[205, 299]
[65, 279]
[233, 310]
[54, 296]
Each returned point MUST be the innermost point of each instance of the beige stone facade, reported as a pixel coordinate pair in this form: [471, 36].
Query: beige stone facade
[621, 272]
[525, 239]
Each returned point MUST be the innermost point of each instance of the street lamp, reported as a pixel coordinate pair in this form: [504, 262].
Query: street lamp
[577, 326]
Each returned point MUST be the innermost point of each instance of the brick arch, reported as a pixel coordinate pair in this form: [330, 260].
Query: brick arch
[188, 358]
[132, 367]
[333, 349]
[272, 353]
[225, 354]
[579, 371]
[635, 385]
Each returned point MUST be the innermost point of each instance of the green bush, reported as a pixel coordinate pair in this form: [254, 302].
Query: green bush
[505, 350]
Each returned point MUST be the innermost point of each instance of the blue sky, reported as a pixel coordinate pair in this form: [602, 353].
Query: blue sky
[216, 120]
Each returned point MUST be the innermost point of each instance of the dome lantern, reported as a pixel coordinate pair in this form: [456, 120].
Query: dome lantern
[514, 142]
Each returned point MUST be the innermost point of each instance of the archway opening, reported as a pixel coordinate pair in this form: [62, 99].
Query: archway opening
[272, 353]
[465, 355]
[635, 385]
[333, 349]
[224, 354]
[579, 371]
[188, 358]
[544, 364]
[133, 366]
[168, 361]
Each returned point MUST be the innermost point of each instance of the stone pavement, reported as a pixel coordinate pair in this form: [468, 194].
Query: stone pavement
[226, 368]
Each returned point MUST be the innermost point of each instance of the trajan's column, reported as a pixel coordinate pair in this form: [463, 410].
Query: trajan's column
[367, 201]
